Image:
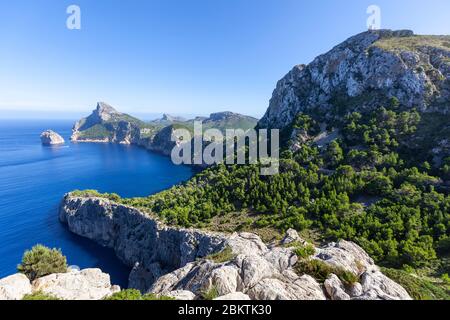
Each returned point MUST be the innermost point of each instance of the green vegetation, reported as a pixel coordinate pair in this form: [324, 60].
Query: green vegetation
[320, 271]
[222, 256]
[133, 294]
[210, 294]
[413, 42]
[41, 261]
[39, 295]
[419, 288]
[304, 251]
[374, 185]
[96, 132]
[95, 194]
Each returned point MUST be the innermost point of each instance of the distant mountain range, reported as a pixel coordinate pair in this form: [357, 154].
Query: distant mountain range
[106, 124]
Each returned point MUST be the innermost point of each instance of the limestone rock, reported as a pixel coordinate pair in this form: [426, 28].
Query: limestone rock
[181, 295]
[346, 255]
[14, 287]
[50, 138]
[376, 286]
[236, 296]
[171, 261]
[335, 288]
[87, 284]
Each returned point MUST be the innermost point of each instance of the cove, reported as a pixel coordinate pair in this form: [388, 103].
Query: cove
[34, 178]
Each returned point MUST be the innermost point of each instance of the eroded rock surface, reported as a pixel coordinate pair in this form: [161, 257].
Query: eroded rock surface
[50, 138]
[176, 262]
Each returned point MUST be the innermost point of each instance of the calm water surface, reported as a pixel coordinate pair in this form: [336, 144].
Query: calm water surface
[34, 178]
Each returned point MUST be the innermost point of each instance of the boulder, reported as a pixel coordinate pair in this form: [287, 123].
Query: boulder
[181, 295]
[237, 296]
[14, 287]
[335, 288]
[87, 284]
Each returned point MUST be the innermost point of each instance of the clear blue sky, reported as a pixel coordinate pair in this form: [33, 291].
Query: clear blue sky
[184, 56]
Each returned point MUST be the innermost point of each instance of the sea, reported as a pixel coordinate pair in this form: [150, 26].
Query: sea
[34, 179]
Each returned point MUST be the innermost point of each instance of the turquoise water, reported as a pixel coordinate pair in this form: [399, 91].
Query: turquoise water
[34, 178]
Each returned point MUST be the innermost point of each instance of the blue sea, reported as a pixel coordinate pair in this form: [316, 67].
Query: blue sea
[34, 179]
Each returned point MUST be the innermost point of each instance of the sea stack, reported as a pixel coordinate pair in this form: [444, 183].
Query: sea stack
[50, 138]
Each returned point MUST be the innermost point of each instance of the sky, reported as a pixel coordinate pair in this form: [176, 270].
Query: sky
[179, 57]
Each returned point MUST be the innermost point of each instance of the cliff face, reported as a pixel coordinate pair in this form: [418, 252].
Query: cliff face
[364, 72]
[141, 242]
[175, 262]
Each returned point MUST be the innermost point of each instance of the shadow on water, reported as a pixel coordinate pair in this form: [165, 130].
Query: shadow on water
[106, 259]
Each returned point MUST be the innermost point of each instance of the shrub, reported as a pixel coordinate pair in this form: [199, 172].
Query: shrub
[129, 294]
[320, 271]
[317, 269]
[39, 295]
[418, 288]
[210, 294]
[304, 251]
[133, 294]
[222, 256]
[41, 261]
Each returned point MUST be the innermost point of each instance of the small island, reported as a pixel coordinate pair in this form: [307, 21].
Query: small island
[50, 138]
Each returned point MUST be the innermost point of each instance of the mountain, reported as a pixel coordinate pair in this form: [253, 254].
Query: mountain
[168, 119]
[363, 72]
[365, 158]
[106, 124]
[370, 70]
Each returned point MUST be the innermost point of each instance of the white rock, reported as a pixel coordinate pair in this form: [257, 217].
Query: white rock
[50, 137]
[14, 287]
[226, 280]
[376, 286]
[346, 255]
[335, 288]
[87, 284]
[237, 296]
[181, 295]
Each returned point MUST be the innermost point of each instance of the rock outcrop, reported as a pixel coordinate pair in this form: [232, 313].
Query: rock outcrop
[140, 241]
[177, 262]
[49, 138]
[87, 284]
[363, 72]
[14, 287]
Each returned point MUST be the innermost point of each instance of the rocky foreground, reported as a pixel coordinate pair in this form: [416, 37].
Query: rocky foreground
[87, 284]
[178, 262]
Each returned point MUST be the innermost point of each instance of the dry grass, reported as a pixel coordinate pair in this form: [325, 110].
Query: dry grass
[414, 42]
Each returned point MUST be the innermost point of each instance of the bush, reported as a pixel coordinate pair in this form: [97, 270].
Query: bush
[41, 261]
[222, 256]
[39, 295]
[315, 268]
[129, 294]
[210, 294]
[418, 288]
[304, 251]
[133, 294]
[320, 271]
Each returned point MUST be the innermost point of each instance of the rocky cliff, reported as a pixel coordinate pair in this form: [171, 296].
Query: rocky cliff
[188, 263]
[365, 72]
[106, 124]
